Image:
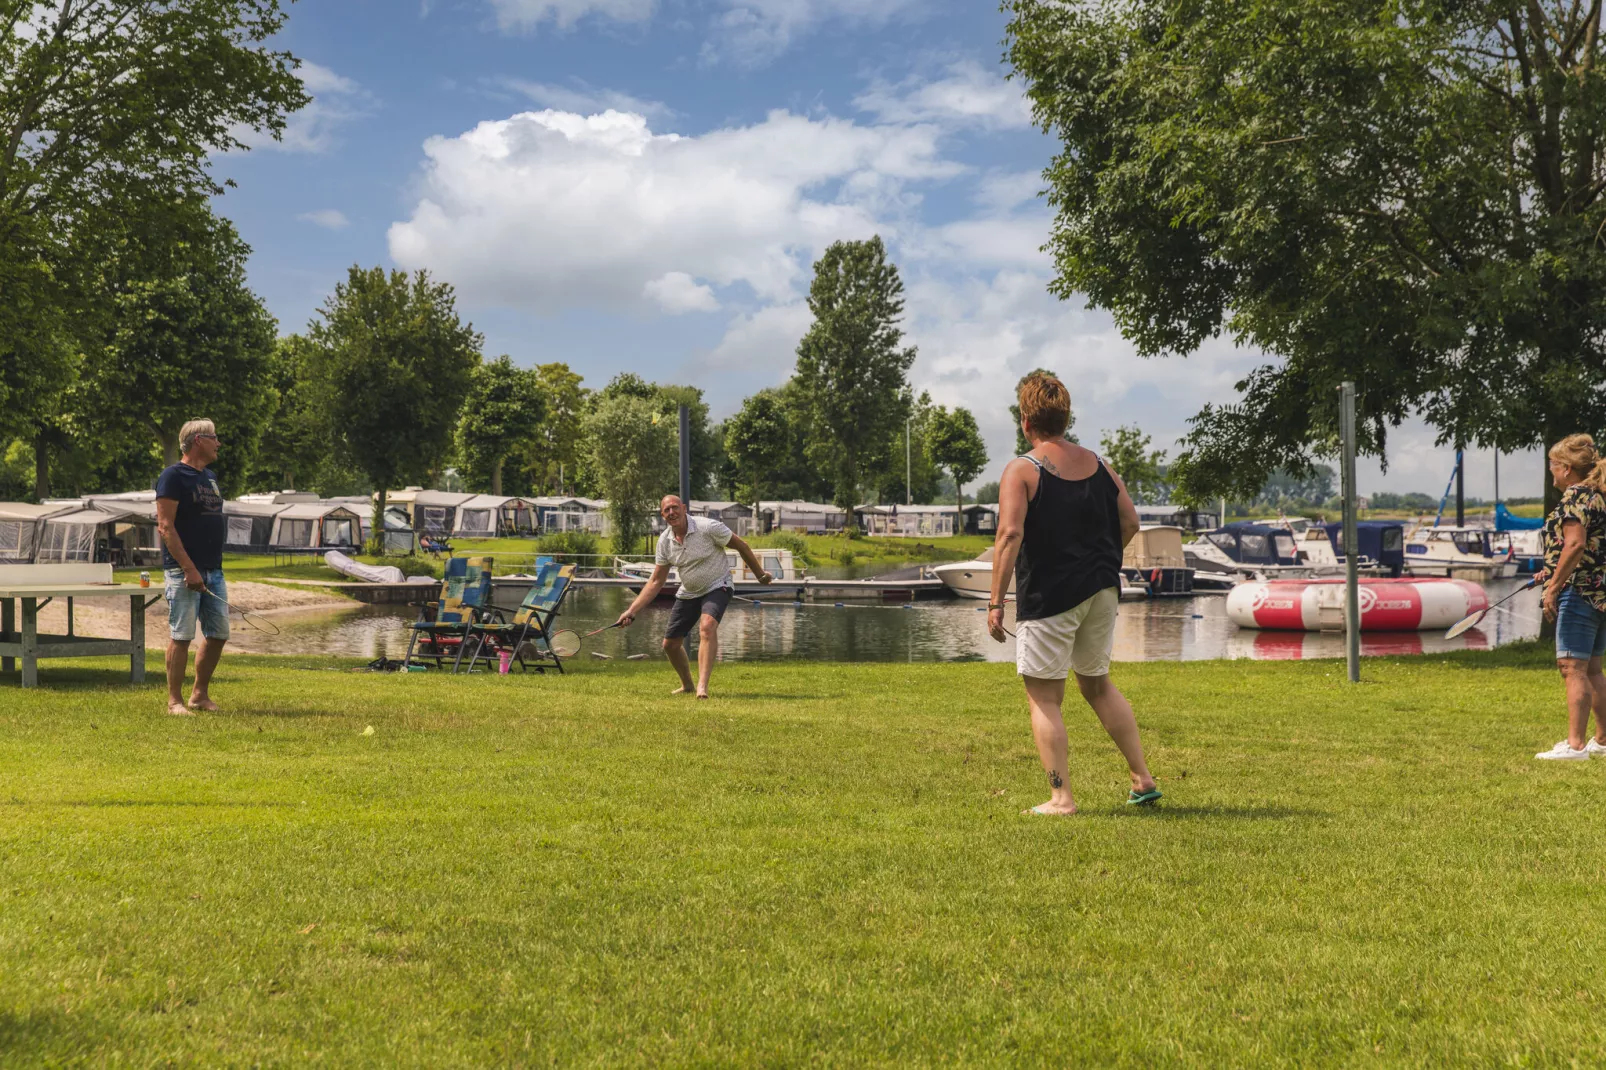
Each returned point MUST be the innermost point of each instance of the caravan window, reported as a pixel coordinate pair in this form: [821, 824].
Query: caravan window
[239, 533]
[295, 533]
[437, 520]
[10, 536]
[476, 521]
[337, 533]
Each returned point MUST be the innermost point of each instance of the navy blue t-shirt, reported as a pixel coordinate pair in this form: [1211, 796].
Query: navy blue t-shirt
[199, 523]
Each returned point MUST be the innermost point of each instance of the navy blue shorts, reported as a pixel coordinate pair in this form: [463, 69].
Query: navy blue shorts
[683, 618]
[1580, 627]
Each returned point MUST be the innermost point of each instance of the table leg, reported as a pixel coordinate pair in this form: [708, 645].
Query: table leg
[69, 618]
[30, 642]
[8, 624]
[136, 638]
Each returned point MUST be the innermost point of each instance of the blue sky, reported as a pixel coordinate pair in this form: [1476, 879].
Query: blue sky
[642, 185]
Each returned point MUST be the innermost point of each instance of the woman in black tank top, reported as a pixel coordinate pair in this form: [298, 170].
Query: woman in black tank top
[1062, 526]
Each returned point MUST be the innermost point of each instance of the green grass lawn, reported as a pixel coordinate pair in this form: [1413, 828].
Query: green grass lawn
[826, 864]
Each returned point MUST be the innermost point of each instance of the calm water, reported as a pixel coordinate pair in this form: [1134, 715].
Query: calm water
[946, 630]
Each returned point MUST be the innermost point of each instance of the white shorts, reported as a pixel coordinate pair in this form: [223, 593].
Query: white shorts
[1080, 639]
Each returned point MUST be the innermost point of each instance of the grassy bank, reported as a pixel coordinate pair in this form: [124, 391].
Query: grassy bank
[826, 863]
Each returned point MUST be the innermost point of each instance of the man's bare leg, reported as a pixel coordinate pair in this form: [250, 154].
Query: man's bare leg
[707, 651]
[1048, 729]
[1115, 714]
[206, 659]
[178, 659]
[675, 650]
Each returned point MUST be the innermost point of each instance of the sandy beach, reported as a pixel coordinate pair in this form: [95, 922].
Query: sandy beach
[108, 617]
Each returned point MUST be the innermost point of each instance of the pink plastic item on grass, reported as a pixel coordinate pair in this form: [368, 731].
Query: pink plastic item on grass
[506, 658]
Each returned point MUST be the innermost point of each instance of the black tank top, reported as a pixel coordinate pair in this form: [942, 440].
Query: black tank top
[1071, 548]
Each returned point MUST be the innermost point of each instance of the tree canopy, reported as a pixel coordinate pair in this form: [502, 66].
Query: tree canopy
[633, 447]
[394, 365]
[1126, 449]
[955, 444]
[1408, 195]
[504, 409]
[851, 364]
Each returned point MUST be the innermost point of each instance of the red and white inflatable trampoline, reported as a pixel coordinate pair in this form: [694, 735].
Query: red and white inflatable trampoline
[1403, 605]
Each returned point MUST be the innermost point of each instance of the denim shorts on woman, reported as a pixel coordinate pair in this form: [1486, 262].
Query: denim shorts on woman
[1580, 627]
[185, 606]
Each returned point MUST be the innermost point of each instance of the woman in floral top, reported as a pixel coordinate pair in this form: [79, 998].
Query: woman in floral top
[1575, 590]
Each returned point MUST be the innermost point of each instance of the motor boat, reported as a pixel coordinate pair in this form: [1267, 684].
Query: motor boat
[779, 563]
[1445, 551]
[974, 579]
[1248, 550]
[1387, 605]
[1155, 557]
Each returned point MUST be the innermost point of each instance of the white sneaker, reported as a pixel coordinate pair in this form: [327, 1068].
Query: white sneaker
[1561, 752]
[1595, 749]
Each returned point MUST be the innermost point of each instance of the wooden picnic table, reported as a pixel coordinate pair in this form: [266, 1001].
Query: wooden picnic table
[25, 642]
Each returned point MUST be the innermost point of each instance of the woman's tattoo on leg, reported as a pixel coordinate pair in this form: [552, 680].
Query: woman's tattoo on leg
[1054, 779]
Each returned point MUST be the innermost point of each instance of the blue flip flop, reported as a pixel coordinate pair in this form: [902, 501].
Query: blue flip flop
[1144, 798]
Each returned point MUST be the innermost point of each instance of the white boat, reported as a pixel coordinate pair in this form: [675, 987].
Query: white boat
[1447, 551]
[974, 579]
[779, 563]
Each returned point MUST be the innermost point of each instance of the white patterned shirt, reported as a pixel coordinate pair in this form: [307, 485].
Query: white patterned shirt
[700, 559]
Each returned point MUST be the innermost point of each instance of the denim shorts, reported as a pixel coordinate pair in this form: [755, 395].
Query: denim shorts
[1580, 627]
[184, 606]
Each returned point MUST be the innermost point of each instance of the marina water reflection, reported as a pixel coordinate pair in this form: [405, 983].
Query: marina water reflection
[953, 630]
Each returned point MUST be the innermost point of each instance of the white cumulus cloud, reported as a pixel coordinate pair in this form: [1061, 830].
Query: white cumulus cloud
[584, 99]
[327, 218]
[528, 14]
[550, 209]
[677, 292]
[967, 92]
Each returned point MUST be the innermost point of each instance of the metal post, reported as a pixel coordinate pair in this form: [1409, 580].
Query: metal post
[1460, 491]
[685, 455]
[1352, 589]
[908, 464]
[1497, 475]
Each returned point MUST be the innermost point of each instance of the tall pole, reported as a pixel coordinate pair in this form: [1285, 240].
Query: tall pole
[1497, 475]
[1352, 587]
[1460, 491]
[908, 465]
[685, 455]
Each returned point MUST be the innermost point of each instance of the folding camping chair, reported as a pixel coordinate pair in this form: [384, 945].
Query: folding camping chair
[527, 632]
[464, 600]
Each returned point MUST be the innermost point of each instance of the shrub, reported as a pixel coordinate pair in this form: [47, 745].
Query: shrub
[788, 540]
[567, 544]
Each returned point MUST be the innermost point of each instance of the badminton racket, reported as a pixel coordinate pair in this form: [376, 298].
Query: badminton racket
[566, 642]
[1466, 624]
[249, 619]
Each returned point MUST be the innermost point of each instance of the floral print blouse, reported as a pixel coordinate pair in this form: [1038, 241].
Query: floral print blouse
[1585, 504]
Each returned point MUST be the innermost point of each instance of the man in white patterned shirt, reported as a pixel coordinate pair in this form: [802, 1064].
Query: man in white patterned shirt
[695, 547]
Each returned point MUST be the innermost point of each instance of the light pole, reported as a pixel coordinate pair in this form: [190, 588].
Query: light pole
[908, 463]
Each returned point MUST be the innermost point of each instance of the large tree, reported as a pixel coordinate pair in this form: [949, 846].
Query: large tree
[758, 441]
[633, 453]
[955, 444]
[503, 412]
[851, 365]
[105, 106]
[187, 338]
[1126, 449]
[554, 452]
[294, 445]
[1407, 195]
[394, 364]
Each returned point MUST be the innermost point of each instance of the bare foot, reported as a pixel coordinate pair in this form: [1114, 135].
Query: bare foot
[701, 693]
[1052, 809]
[178, 709]
[681, 691]
[206, 705]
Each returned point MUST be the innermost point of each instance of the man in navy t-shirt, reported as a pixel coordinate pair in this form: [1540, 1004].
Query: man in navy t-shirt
[189, 517]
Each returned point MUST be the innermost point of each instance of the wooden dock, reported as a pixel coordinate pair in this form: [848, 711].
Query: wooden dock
[509, 590]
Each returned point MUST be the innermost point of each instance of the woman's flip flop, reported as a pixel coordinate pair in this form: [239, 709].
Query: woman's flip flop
[1144, 798]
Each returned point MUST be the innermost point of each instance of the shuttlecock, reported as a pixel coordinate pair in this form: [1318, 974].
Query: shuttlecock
[368, 731]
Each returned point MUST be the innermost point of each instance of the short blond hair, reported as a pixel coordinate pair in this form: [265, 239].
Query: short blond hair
[188, 433]
[1045, 405]
[1578, 452]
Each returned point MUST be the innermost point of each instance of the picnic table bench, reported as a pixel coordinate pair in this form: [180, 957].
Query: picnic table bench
[32, 587]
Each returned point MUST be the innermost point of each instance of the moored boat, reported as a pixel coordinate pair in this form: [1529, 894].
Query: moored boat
[1155, 557]
[779, 563]
[974, 579]
[1387, 605]
[1446, 551]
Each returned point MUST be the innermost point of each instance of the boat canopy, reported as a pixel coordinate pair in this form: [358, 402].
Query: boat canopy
[1505, 521]
[1249, 543]
[1158, 546]
[1381, 540]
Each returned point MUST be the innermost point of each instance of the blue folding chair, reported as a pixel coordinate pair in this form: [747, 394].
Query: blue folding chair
[442, 628]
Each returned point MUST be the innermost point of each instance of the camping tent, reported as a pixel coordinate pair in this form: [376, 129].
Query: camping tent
[249, 525]
[315, 525]
[485, 516]
[435, 511]
[19, 529]
[121, 532]
[556, 513]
